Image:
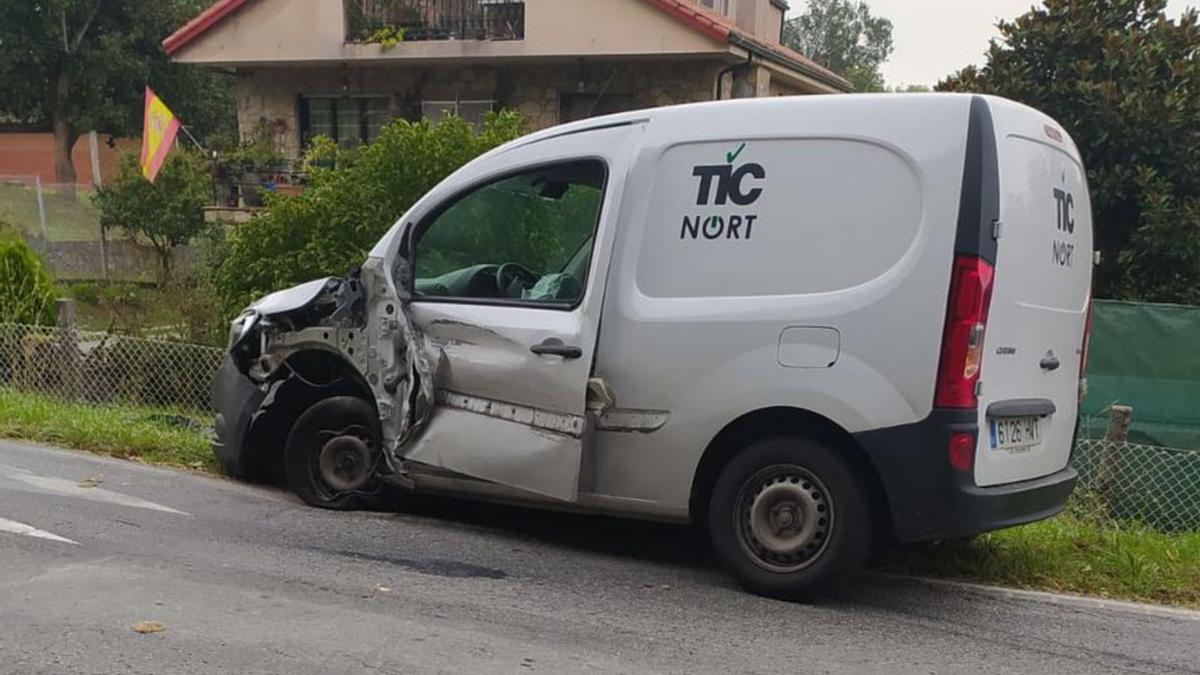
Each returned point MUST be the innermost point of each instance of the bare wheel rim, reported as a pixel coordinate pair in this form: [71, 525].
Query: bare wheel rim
[343, 462]
[783, 517]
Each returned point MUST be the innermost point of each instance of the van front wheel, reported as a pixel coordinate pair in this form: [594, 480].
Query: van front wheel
[332, 453]
[789, 517]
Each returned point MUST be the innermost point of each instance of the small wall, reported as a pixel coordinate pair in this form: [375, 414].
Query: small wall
[127, 260]
[32, 154]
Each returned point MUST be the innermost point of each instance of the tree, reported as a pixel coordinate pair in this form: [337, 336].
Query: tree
[844, 36]
[329, 228]
[168, 212]
[77, 65]
[1124, 80]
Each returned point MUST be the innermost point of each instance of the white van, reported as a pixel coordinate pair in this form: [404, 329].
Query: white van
[800, 321]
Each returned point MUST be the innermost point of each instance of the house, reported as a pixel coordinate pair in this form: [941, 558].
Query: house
[342, 68]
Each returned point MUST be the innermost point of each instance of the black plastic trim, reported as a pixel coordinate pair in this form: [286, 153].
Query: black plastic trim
[1022, 407]
[929, 500]
[237, 400]
[979, 201]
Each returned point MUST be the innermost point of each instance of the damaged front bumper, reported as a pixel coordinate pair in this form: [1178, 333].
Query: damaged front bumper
[237, 399]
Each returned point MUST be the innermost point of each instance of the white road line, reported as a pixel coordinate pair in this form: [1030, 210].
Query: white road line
[68, 488]
[13, 527]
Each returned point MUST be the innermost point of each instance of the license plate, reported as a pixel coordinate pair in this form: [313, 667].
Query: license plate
[1014, 434]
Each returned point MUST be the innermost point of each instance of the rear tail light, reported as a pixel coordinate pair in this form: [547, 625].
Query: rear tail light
[962, 341]
[1083, 352]
[962, 451]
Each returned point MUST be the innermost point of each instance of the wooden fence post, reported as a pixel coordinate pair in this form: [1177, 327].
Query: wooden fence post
[1109, 472]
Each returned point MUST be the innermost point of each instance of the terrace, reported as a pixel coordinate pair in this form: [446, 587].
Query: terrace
[393, 21]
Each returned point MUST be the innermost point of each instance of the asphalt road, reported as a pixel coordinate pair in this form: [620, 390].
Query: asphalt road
[245, 579]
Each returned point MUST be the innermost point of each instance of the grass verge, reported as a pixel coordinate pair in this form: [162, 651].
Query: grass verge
[148, 435]
[1077, 552]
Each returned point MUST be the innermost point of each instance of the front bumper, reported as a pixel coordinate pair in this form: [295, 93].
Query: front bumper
[931, 501]
[237, 400]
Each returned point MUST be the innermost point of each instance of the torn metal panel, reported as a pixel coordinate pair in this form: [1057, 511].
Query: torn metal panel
[361, 321]
[571, 425]
[501, 451]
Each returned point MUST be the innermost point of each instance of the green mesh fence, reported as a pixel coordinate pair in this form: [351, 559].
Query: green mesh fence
[1146, 356]
[1157, 486]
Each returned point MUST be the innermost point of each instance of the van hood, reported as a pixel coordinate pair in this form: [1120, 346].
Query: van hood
[296, 297]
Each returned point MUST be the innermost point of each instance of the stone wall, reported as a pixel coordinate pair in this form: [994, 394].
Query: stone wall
[269, 97]
[127, 260]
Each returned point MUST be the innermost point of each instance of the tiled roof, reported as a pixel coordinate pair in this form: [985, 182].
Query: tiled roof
[720, 27]
[203, 21]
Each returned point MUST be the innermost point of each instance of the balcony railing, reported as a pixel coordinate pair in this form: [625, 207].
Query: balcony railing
[417, 20]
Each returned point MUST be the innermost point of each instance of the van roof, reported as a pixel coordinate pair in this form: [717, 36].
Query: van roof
[830, 104]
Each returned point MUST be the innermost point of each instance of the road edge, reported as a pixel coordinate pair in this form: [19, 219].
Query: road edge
[1048, 597]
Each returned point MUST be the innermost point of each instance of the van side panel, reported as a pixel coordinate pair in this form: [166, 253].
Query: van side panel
[854, 218]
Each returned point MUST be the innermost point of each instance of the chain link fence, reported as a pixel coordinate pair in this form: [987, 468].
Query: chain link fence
[1156, 486]
[104, 368]
[1131, 482]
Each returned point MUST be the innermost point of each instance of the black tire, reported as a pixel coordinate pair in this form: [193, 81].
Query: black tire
[790, 518]
[340, 418]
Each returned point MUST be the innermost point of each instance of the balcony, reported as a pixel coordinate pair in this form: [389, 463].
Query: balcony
[392, 21]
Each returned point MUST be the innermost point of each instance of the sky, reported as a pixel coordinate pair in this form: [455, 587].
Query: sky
[935, 38]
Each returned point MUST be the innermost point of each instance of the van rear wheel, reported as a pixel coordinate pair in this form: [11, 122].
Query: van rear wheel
[789, 517]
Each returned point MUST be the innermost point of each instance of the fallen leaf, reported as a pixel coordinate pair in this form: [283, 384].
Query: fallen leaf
[89, 482]
[145, 627]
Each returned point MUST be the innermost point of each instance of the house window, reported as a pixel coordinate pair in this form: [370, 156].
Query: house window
[574, 106]
[348, 120]
[471, 111]
[719, 6]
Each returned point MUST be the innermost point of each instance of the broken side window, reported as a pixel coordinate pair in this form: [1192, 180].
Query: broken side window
[525, 238]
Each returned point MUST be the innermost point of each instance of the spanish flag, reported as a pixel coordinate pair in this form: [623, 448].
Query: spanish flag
[158, 134]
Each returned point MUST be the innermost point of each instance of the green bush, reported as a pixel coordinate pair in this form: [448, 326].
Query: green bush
[27, 292]
[329, 228]
[1121, 77]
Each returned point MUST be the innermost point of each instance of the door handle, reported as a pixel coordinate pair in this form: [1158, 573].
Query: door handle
[1049, 362]
[555, 347]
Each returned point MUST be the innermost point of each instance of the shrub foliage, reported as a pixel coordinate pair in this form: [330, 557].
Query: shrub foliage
[329, 228]
[27, 292]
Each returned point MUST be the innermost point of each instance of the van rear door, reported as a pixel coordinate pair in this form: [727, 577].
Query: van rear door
[1030, 371]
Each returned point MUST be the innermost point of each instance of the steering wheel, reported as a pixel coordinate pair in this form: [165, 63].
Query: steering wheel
[510, 273]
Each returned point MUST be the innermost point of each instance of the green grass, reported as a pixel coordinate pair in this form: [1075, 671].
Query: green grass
[127, 308]
[147, 435]
[67, 219]
[1073, 553]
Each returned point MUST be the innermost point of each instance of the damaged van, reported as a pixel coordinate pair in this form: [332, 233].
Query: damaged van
[805, 323]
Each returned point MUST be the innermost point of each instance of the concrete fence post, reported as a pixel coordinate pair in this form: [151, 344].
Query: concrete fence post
[1109, 471]
[41, 205]
[70, 376]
